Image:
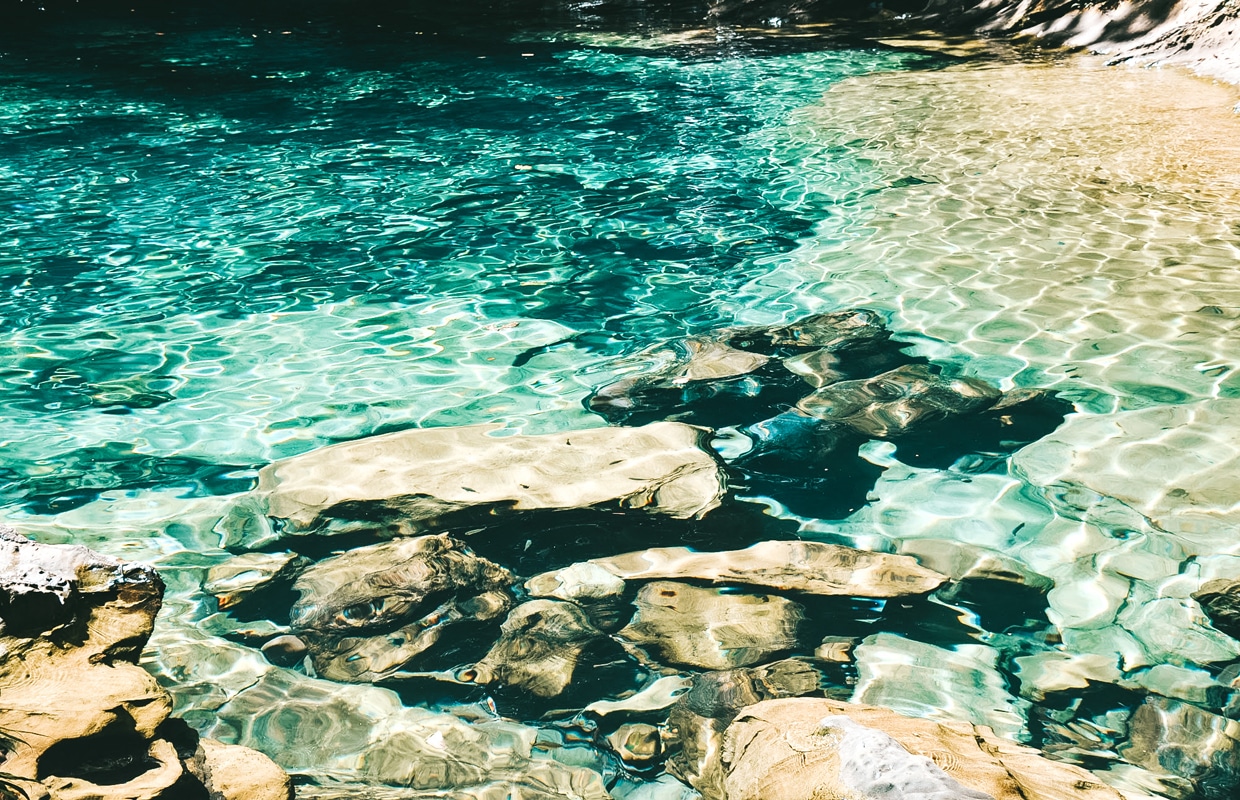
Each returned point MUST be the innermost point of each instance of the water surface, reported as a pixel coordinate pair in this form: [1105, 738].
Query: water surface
[232, 242]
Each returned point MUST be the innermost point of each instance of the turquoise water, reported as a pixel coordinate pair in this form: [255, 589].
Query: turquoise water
[226, 246]
[228, 240]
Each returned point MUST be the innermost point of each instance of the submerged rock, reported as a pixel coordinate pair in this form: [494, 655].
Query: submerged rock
[538, 648]
[834, 331]
[1167, 466]
[1173, 737]
[687, 362]
[365, 614]
[962, 683]
[80, 719]
[250, 577]
[696, 723]
[898, 402]
[802, 748]
[1220, 599]
[401, 483]
[800, 566]
[690, 626]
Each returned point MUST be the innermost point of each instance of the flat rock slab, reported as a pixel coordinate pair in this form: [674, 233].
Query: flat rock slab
[798, 566]
[804, 748]
[418, 476]
[715, 629]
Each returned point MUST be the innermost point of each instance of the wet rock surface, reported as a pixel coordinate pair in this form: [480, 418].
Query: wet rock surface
[405, 482]
[80, 718]
[791, 748]
[587, 613]
[371, 611]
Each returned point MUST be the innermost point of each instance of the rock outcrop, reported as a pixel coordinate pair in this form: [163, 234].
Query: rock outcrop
[81, 719]
[1202, 35]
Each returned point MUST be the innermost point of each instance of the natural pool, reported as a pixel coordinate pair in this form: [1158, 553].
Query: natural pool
[234, 242]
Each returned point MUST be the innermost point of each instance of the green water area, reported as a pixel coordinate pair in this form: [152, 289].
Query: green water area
[978, 307]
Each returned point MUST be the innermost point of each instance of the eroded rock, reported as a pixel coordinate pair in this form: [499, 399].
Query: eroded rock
[801, 748]
[538, 648]
[86, 722]
[366, 613]
[801, 566]
[690, 626]
[400, 483]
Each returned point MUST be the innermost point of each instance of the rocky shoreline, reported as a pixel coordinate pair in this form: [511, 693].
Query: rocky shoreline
[468, 612]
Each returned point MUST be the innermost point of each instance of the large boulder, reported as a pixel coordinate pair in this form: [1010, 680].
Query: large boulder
[408, 481]
[88, 722]
[805, 748]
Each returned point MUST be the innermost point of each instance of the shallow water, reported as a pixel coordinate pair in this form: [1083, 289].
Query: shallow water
[232, 243]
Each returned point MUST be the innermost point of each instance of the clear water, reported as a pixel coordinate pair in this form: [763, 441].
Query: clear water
[233, 241]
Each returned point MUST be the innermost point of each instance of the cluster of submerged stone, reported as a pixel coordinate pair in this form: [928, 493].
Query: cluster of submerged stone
[706, 631]
[395, 609]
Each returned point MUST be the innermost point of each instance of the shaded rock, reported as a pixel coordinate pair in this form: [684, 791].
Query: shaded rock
[367, 613]
[810, 567]
[403, 482]
[249, 577]
[898, 402]
[538, 648]
[961, 683]
[802, 748]
[285, 651]
[1173, 737]
[1220, 599]
[636, 743]
[833, 331]
[230, 772]
[690, 626]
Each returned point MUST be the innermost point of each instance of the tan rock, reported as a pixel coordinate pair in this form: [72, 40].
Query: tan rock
[230, 772]
[77, 704]
[538, 648]
[410, 479]
[806, 748]
[691, 626]
[811, 567]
